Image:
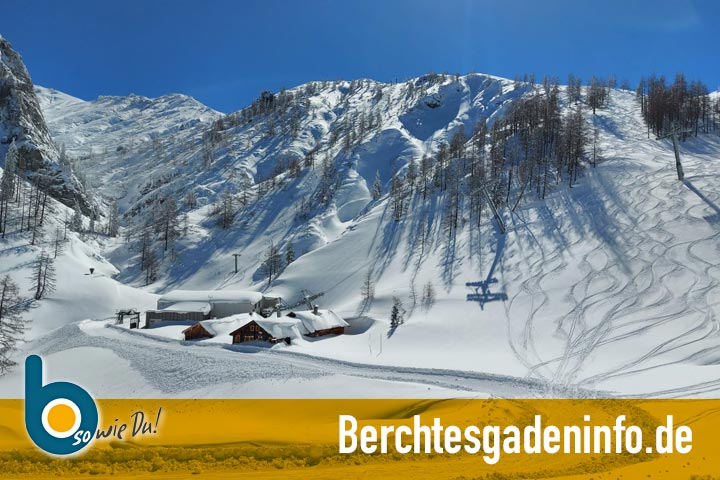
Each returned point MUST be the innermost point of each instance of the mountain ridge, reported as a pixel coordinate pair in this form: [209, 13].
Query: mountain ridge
[22, 121]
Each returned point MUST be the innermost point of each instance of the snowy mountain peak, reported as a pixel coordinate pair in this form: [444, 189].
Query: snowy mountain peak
[109, 122]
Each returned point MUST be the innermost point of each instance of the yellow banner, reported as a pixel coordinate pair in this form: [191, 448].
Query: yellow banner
[303, 439]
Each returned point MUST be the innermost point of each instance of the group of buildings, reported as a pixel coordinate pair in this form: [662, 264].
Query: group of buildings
[245, 316]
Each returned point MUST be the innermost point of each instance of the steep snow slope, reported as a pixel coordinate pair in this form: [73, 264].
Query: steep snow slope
[408, 120]
[614, 284]
[611, 285]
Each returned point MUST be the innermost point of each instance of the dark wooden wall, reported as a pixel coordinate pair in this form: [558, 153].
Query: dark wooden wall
[251, 332]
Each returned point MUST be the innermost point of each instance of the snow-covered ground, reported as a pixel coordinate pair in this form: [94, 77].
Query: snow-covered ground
[610, 288]
[136, 364]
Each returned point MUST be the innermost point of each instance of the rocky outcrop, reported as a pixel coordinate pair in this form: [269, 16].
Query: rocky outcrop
[22, 120]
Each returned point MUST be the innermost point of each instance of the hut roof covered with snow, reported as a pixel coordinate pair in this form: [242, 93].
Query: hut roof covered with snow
[214, 296]
[223, 326]
[203, 307]
[280, 327]
[323, 321]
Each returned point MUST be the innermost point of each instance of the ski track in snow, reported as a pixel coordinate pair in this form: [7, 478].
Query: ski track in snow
[654, 284]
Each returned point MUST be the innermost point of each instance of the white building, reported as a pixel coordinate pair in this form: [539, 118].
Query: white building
[197, 305]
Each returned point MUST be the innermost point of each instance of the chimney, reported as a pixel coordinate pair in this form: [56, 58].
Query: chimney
[315, 309]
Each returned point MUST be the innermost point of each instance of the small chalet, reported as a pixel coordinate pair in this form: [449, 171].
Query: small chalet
[317, 323]
[217, 327]
[198, 331]
[272, 330]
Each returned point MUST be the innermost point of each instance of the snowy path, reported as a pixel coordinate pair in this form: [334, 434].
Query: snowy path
[174, 368]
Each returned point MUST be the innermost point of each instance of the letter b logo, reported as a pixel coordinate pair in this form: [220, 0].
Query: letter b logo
[60, 417]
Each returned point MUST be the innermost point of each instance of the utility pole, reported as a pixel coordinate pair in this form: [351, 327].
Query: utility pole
[673, 134]
[236, 255]
[308, 298]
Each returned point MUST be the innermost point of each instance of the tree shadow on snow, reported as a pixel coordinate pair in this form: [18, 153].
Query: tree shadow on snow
[714, 218]
[389, 241]
[482, 294]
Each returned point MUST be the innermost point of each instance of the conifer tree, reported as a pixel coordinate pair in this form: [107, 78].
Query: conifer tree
[151, 266]
[377, 187]
[8, 185]
[113, 220]
[58, 243]
[272, 264]
[397, 314]
[169, 222]
[367, 290]
[428, 296]
[289, 254]
[76, 223]
[191, 199]
[12, 306]
[43, 276]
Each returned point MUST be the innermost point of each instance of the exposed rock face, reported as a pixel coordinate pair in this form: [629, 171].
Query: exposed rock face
[22, 120]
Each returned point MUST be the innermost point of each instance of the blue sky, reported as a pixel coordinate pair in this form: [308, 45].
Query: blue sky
[225, 52]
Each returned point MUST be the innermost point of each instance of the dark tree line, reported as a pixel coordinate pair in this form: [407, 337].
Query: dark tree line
[25, 206]
[535, 145]
[598, 93]
[24, 202]
[156, 237]
[682, 104]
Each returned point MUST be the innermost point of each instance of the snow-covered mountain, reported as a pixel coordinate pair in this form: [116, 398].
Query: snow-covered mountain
[393, 124]
[92, 127]
[612, 285]
[22, 121]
